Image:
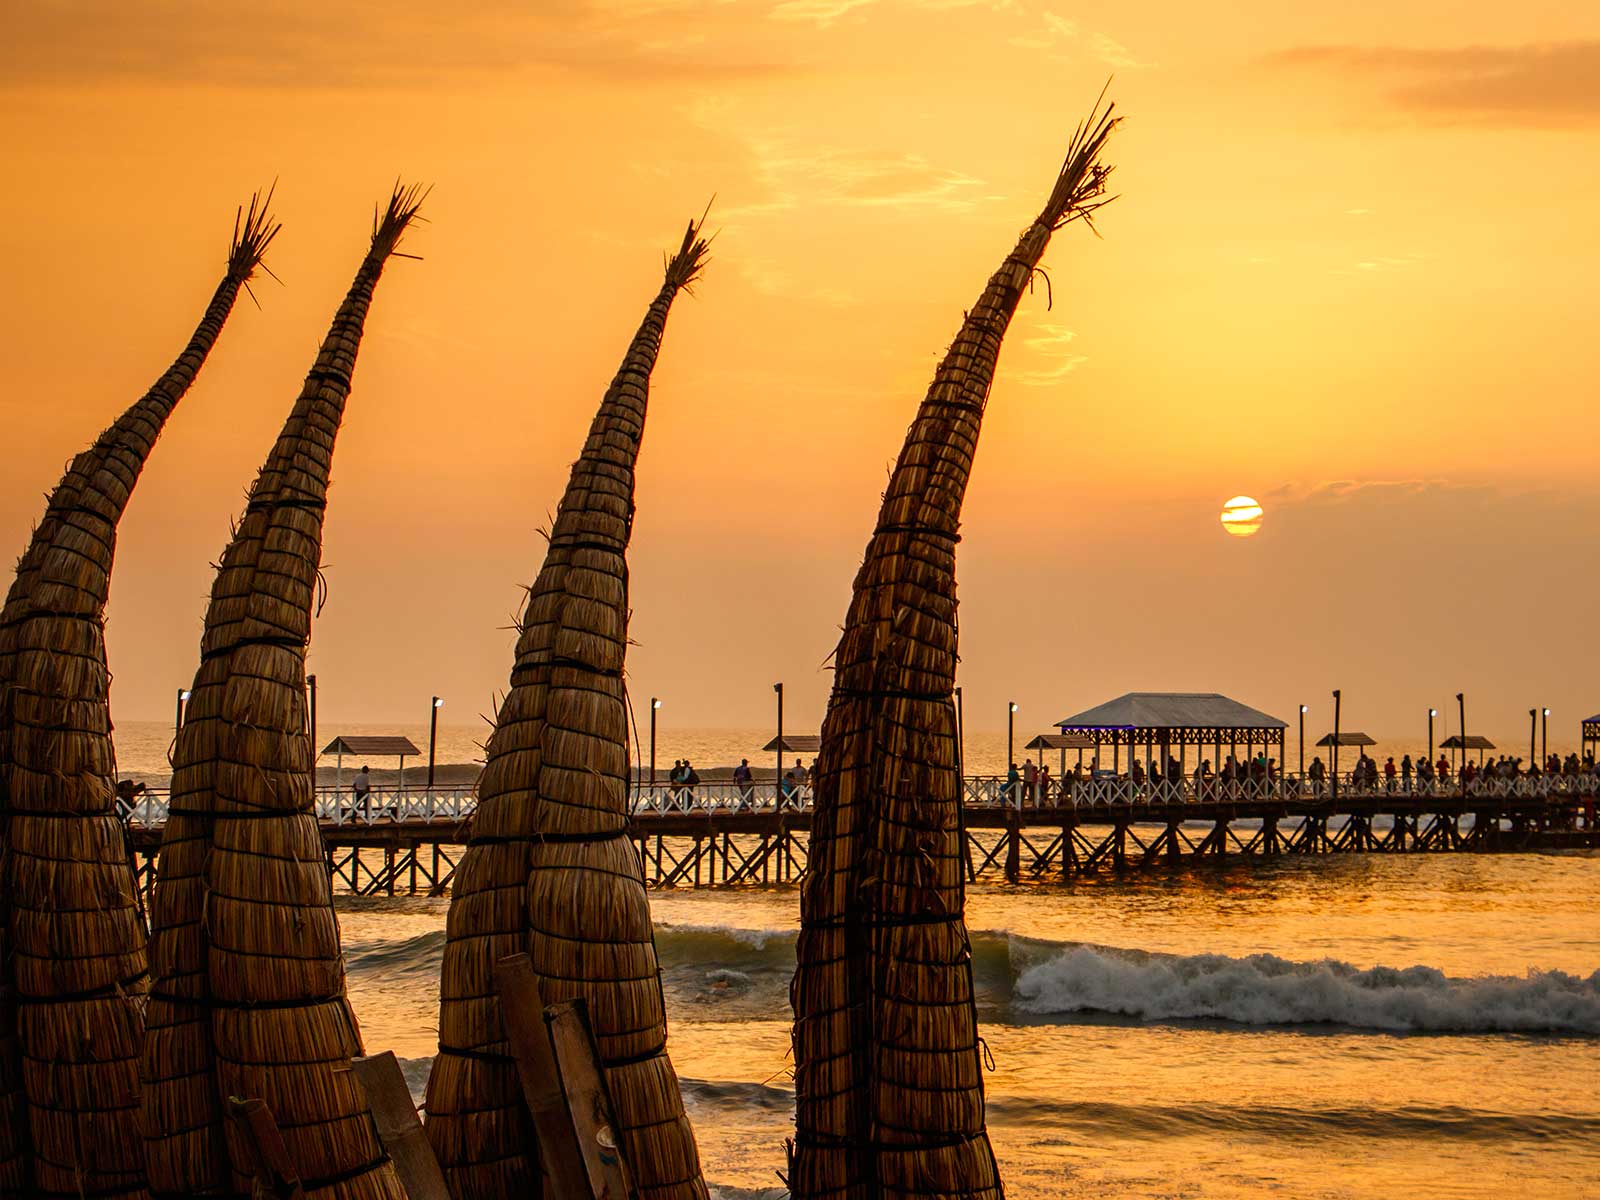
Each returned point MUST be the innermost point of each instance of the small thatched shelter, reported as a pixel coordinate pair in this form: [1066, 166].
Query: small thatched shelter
[888, 1087]
[248, 996]
[549, 869]
[72, 968]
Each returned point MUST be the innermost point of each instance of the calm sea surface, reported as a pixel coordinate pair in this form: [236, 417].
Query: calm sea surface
[1351, 1028]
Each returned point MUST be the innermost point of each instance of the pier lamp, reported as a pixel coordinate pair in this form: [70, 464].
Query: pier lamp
[1303, 710]
[433, 736]
[655, 707]
[1461, 699]
[1337, 702]
[1432, 713]
[311, 688]
[1533, 735]
[177, 721]
[961, 740]
[1011, 734]
[1544, 735]
[777, 780]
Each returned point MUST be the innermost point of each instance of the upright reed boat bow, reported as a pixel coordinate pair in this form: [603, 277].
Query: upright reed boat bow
[888, 1086]
[549, 869]
[247, 996]
[72, 940]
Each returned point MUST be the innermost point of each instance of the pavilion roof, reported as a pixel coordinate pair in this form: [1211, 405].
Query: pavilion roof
[1171, 710]
[1473, 741]
[797, 743]
[379, 746]
[1061, 741]
[1348, 737]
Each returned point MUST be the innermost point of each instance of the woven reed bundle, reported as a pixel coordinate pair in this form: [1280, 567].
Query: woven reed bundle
[248, 995]
[547, 869]
[887, 1077]
[74, 973]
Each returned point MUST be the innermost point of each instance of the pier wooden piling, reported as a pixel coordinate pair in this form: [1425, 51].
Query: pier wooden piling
[764, 848]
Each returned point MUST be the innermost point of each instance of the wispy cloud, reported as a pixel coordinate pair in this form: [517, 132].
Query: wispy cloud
[1066, 40]
[1379, 263]
[767, 278]
[790, 177]
[1542, 85]
[825, 12]
[401, 42]
[817, 12]
[1048, 350]
[1374, 491]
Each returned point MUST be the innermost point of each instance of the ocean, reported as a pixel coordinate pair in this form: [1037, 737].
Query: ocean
[1354, 1027]
[1345, 1027]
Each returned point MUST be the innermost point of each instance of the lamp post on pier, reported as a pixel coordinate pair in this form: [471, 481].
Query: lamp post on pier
[1461, 699]
[777, 780]
[1303, 710]
[177, 722]
[311, 687]
[1432, 713]
[433, 737]
[961, 745]
[1533, 735]
[1544, 738]
[655, 707]
[1337, 702]
[1011, 734]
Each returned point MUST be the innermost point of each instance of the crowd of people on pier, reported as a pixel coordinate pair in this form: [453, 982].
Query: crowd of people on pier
[1032, 783]
[1422, 775]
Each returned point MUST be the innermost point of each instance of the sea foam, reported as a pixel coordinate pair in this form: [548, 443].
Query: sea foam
[1263, 989]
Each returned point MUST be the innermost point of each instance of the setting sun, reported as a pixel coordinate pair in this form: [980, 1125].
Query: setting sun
[1241, 516]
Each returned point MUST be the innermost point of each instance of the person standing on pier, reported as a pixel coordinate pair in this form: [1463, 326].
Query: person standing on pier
[743, 780]
[1030, 780]
[362, 790]
[1405, 773]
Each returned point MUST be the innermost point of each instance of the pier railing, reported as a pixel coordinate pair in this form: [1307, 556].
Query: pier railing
[386, 806]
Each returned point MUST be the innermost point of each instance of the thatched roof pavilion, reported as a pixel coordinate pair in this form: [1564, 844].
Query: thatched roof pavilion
[548, 868]
[1161, 722]
[73, 966]
[1473, 741]
[248, 995]
[888, 1082]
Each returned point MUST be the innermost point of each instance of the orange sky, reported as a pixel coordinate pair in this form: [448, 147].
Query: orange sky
[1351, 272]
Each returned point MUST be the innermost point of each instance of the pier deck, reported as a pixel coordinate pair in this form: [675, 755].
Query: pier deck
[410, 842]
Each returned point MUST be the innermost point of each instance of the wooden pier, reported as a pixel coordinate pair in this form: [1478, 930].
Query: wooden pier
[721, 839]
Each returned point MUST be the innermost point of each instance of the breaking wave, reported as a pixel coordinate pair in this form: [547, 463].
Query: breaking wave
[739, 974]
[1263, 989]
